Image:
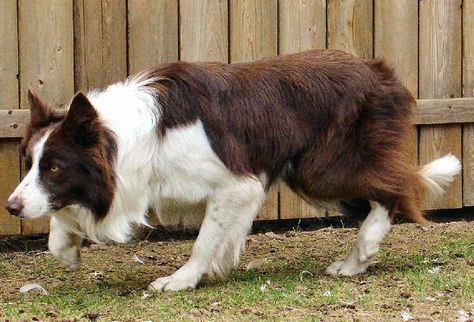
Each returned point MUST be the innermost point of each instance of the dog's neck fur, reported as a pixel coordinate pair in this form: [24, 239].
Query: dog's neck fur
[129, 109]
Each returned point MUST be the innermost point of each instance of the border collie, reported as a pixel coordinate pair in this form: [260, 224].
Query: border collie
[203, 143]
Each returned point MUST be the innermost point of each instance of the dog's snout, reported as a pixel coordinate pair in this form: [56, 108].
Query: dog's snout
[14, 206]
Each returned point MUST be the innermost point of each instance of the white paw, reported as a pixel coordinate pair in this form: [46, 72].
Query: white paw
[182, 279]
[333, 269]
[346, 268]
[70, 257]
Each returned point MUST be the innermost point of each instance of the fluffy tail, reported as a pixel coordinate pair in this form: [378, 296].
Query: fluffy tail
[437, 175]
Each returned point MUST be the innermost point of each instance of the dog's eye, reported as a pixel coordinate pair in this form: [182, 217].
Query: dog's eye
[54, 168]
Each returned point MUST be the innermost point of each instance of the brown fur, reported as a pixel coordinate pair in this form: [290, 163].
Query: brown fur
[333, 126]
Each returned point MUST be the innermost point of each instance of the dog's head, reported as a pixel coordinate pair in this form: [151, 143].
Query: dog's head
[68, 158]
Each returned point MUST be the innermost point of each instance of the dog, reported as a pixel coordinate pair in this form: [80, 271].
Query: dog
[203, 143]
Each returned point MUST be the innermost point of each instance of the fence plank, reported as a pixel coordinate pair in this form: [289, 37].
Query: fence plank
[46, 60]
[253, 29]
[100, 48]
[9, 155]
[468, 91]
[396, 40]
[204, 30]
[350, 26]
[440, 77]
[253, 35]
[427, 111]
[444, 111]
[153, 33]
[302, 27]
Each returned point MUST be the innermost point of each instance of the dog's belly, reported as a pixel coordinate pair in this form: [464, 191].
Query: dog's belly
[172, 212]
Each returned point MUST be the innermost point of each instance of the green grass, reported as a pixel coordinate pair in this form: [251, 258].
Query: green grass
[403, 278]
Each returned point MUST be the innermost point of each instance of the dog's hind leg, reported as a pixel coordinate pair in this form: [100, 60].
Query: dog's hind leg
[371, 233]
[229, 214]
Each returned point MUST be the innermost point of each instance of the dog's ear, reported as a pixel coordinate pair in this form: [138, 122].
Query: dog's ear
[82, 121]
[41, 113]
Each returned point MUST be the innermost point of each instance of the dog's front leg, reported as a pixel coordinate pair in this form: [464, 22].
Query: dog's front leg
[64, 244]
[229, 215]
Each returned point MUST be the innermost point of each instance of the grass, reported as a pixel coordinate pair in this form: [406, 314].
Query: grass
[429, 274]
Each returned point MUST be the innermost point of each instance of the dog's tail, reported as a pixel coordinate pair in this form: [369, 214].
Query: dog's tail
[438, 174]
[431, 180]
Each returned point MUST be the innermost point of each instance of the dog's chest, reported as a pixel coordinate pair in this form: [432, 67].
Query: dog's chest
[187, 169]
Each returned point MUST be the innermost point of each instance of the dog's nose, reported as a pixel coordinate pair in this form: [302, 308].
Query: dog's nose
[14, 206]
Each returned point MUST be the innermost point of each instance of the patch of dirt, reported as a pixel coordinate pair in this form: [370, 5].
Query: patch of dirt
[122, 271]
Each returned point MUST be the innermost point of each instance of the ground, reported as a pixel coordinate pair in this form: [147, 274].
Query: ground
[422, 274]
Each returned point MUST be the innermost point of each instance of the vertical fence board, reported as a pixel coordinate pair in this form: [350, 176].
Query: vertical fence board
[204, 30]
[350, 26]
[153, 33]
[253, 35]
[152, 39]
[396, 40]
[9, 155]
[253, 29]
[46, 60]
[440, 77]
[302, 27]
[100, 47]
[468, 91]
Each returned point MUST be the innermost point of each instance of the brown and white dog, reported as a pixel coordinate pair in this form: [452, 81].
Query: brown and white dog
[205, 141]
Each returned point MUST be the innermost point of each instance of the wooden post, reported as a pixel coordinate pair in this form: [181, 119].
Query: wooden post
[440, 77]
[9, 153]
[468, 91]
[153, 33]
[100, 48]
[302, 27]
[46, 61]
[253, 35]
[396, 41]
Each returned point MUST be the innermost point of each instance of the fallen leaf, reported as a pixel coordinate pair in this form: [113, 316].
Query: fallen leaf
[303, 273]
[406, 315]
[349, 305]
[136, 259]
[300, 288]
[32, 286]
[256, 263]
[434, 270]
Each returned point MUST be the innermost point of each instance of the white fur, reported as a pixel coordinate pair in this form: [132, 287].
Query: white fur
[129, 109]
[34, 198]
[64, 239]
[440, 173]
[371, 233]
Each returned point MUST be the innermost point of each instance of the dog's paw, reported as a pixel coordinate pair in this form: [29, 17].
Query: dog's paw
[70, 257]
[182, 279]
[334, 268]
[342, 268]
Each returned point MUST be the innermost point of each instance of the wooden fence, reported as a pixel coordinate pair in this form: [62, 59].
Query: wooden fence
[57, 47]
